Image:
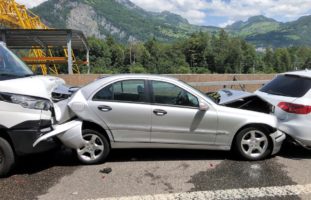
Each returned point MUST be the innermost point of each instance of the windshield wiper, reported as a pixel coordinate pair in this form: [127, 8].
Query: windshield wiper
[15, 75]
[7, 74]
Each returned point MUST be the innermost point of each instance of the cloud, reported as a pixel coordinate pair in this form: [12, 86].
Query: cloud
[30, 3]
[193, 10]
[229, 22]
[242, 9]
[200, 11]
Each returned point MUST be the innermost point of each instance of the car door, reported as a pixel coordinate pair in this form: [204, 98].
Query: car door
[176, 117]
[123, 106]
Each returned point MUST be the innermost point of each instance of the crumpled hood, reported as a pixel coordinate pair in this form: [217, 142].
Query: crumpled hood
[227, 96]
[38, 86]
[242, 100]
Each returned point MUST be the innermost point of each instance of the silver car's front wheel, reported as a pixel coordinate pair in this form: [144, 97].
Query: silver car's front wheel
[253, 144]
[96, 147]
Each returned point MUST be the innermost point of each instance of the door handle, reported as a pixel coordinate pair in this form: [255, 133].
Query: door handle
[104, 108]
[159, 112]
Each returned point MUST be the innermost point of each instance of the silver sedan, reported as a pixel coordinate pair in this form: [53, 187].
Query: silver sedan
[146, 111]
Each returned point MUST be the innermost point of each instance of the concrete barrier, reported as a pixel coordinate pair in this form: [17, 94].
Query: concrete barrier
[218, 79]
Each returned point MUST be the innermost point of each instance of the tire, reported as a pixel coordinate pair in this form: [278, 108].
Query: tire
[7, 158]
[253, 144]
[96, 150]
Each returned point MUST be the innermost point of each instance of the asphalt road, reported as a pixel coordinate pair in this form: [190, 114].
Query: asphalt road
[161, 174]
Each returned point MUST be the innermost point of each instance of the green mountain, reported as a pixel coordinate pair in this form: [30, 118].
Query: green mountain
[266, 32]
[128, 22]
[119, 18]
[254, 25]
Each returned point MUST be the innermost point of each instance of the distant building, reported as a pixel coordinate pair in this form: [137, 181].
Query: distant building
[261, 50]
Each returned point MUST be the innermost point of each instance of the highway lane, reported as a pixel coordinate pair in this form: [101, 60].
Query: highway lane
[141, 172]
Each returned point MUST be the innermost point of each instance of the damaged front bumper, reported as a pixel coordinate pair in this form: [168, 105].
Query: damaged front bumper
[70, 134]
[277, 138]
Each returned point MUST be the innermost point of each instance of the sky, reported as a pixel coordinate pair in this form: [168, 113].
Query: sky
[221, 12]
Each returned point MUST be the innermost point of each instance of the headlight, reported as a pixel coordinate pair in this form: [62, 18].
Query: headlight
[26, 101]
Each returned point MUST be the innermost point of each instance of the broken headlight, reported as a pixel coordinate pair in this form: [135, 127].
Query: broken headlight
[26, 101]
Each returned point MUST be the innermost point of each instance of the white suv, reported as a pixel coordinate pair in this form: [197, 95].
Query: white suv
[291, 95]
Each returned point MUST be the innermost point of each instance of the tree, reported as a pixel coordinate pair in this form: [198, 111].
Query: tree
[172, 60]
[268, 60]
[100, 56]
[282, 60]
[117, 55]
[195, 49]
[221, 51]
[154, 49]
[249, 58]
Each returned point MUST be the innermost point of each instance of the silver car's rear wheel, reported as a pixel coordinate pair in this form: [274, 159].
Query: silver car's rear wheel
[96, 148]
[253, 144]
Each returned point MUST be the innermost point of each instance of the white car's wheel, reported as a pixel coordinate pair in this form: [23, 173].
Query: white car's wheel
[96, 149]
[7, 158]
[253, 143]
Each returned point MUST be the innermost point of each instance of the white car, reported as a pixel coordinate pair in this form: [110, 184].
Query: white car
[27, 112]
[291, 95]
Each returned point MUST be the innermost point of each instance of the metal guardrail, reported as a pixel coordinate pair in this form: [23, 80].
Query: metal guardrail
[228, 83]
[224, 84]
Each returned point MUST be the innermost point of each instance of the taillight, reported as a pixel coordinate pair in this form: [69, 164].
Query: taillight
[295, 108]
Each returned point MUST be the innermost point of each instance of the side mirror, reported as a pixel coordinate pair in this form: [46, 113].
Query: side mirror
[203, 106]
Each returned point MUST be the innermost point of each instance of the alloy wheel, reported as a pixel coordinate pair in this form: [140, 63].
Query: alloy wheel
[254, 143]
[93, 148]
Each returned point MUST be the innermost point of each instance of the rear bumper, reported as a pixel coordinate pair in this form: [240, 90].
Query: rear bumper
[299, 131]
[277, 138]
[70, 134]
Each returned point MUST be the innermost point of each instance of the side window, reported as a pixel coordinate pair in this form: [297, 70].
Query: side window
[104, 94]
[167, 93]
[128, 91]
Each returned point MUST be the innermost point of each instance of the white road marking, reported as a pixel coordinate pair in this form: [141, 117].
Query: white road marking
[275, 191]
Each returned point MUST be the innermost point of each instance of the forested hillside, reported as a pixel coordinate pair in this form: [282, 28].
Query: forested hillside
[127, 22]
[119, 18]
[199, 53]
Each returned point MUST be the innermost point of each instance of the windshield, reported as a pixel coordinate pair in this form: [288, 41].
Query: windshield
[11, 66]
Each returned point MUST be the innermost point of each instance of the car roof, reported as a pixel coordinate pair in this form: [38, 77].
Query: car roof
[143, 76]
[303, 73]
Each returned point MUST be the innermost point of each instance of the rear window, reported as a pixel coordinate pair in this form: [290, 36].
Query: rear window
[288, 85]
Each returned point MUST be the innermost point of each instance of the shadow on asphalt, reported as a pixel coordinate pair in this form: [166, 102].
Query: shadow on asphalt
[291, 151]
[129, 155]
[66, 158]
[39, 162]
[34, 175]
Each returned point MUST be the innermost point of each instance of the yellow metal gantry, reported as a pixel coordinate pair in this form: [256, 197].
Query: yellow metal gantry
[14, 15]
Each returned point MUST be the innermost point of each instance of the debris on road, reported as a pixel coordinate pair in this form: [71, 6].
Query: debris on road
[106, 170]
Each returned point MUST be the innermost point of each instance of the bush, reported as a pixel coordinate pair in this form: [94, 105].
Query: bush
[137, 69]
[182, 70]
